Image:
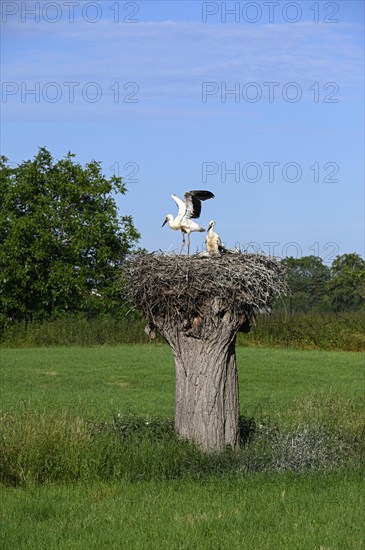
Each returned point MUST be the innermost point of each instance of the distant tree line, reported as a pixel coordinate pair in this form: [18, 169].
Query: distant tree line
[316, 287]
[62, 244]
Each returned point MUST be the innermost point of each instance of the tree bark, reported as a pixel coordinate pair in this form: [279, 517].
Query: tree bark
[207, 396]
[207, 404]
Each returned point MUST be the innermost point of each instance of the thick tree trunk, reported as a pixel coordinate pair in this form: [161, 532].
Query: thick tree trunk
[207, 405]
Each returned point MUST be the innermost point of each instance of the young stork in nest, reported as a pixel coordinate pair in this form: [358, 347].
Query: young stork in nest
[213, 241]
[189, 209]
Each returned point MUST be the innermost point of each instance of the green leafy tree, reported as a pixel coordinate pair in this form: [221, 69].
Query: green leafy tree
[61, 239]
[307, 280]
[347, 284]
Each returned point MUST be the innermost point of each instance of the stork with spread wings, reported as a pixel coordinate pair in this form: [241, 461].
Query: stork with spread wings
[189, 209]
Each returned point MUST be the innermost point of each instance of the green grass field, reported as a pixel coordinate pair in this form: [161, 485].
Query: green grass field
[55, 389]
[261, 513]
[100, 381]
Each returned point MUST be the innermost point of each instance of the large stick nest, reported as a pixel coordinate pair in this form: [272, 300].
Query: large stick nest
[181, 287]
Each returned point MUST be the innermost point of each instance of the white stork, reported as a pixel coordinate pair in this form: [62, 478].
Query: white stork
[213, 241]
[189, 209]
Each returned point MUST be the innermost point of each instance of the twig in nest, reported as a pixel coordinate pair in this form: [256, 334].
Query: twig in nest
[179, 287]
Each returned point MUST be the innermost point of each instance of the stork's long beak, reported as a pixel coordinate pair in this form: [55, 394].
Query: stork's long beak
[164, 222]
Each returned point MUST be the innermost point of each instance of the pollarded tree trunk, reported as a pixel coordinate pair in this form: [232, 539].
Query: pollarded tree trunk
[207, 397]
[198, 303]
[207, 405]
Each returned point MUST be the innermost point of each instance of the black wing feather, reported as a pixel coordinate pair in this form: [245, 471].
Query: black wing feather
[202, 195]
[193, 201]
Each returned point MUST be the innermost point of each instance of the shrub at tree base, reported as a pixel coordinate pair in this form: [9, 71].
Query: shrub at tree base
[37, 448]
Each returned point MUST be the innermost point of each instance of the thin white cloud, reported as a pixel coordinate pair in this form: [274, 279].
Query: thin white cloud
[169, 60]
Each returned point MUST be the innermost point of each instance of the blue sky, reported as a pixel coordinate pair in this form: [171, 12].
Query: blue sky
[259, 102]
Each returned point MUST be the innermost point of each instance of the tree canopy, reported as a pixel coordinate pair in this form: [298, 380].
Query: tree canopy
[347, 284]
[307, 280]
[62, 240]
[317, 287]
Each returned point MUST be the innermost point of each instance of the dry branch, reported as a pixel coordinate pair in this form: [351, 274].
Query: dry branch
[180, 288]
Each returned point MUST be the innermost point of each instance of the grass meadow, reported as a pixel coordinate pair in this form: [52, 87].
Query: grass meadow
[90, 460]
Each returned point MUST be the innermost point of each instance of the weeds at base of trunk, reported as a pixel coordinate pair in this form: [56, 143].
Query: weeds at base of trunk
[38, 448]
